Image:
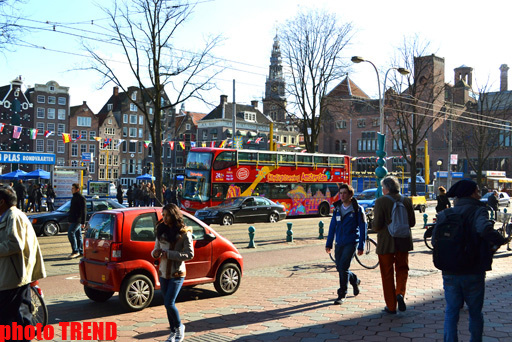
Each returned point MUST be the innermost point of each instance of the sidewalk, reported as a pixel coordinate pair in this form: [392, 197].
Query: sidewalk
[286, 295]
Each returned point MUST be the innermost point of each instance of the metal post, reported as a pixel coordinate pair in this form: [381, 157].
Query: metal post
[289, 233]
[251, 237]
[320, 230]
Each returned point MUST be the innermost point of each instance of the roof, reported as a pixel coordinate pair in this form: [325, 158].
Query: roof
[240, 109]
[347, 88]
[195, 116]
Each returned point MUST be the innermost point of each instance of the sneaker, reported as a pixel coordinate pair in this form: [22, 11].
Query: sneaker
[386, 310]
[356, 287]
[73, 255]
[339, 301]
[180, 334]
[401, 302]
[172, 337]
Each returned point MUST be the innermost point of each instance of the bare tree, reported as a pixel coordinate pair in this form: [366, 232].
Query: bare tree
[8, 23]
[145, 31]
[414, 111]
[312, 43]
[484, 129]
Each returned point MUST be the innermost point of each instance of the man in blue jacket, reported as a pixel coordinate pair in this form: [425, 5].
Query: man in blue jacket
[348, 226]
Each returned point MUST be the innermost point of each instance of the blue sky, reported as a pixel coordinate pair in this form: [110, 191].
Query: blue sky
[462, 32]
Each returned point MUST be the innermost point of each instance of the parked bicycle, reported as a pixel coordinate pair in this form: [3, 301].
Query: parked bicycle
[369, 259]
[37, 306]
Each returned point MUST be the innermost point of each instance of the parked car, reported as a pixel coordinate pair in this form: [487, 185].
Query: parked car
[54, 222]
[503, 198]
[243, 209]
[117, 257]
[367, 198]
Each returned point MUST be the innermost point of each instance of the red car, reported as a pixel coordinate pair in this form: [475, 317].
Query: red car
[117, 257]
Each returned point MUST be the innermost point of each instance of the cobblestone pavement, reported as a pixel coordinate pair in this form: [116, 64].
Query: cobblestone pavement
[292, 301]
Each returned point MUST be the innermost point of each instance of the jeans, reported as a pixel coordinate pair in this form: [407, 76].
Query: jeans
[469, 288]
[170, 289]
[75, 237]
[11, 302]
[343, 256]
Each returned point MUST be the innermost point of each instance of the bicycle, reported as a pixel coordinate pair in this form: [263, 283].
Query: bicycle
[369, 259]
[37, 306]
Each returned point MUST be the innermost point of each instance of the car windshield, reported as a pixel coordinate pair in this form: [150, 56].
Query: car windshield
[367, 195]
[231, 202]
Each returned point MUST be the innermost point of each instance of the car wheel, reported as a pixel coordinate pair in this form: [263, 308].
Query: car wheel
[51, 228]
[228, 279]
[273, 218]
[227, 220]
[97, 295]
[324, 209]
[136, 292]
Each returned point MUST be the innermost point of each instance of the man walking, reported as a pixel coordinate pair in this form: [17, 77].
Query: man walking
[76, 216]
[393, 252]
[492, 201]
[348, 226]
[21, 261]
[468, 285]
[21, 192]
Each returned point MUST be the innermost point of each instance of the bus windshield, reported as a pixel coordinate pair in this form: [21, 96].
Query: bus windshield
[196, 186]
[199, 161]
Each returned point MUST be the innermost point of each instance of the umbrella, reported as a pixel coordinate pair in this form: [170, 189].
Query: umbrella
[14, 175]
[37, 174]
[146, 176]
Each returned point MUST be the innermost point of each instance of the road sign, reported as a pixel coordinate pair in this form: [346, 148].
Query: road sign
[87, 157]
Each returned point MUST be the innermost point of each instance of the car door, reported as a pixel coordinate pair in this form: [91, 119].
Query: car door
[200, 265]
[248, 211]
[263, 209]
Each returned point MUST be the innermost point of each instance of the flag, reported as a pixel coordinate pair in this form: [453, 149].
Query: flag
[230, 143]
[182, 144]
[192, 144]
[303, 151]
[171, 144]
[258, 140]
[222, 143]
[98, 138]
[106, 142]
[212, 144]
[1, 127]
[47, 133]
[146, 143]
[120, 142]
[33, 133]
[78, 138]
[203, 144]
[66, 138]
[16, 132]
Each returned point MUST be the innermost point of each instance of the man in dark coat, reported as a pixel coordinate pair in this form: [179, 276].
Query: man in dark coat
[21, 193]
[76, 217]
[492, 202]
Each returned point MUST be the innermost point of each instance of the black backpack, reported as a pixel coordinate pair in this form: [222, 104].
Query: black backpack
[454, 241]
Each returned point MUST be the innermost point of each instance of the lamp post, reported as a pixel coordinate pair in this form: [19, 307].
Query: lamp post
[439, 163]
[381, 170]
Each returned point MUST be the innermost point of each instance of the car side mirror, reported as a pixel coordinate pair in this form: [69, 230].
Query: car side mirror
[209, 237]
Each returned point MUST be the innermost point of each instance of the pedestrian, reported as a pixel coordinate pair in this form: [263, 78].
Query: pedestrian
[31, 198]
[129, 195]
[76, 218]
[167, 194]
[442, 200]
[119, 194]
[38, 195]
[173, 246]
[21, 261]
[21, 193]
[393, 252]
[152, 194]
[468, 286]
[50, 198]
[492, 202]
[348, 228]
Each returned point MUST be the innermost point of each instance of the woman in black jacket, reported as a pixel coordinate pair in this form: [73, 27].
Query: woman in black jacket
[442, 200]
[50, 198]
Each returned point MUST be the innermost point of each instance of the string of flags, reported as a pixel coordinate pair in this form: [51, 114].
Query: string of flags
[373, 157]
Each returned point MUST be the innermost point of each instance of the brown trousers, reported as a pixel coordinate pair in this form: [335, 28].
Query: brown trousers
[390, 264]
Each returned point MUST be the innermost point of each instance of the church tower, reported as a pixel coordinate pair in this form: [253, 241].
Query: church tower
[274, 103]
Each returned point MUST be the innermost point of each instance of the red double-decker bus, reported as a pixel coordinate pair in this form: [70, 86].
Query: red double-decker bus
[306, 184]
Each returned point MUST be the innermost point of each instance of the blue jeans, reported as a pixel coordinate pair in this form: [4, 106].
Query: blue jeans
[75, 237]
[170, 289]
[343, 256]
[469, 288]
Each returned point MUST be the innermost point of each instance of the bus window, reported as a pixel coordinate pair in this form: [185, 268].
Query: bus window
[280, 191]
[322, 160]
[219, 192]
[286, 159]
[267, 158]
[304, 160]
[199, 160]
[336, 161]
[224, 160]
[247, 157]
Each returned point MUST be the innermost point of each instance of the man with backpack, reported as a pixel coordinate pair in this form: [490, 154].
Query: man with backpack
[393, 220]
[464, 242]
[348, 225]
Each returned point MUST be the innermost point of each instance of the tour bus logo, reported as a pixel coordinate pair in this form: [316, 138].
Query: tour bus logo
[242, 174]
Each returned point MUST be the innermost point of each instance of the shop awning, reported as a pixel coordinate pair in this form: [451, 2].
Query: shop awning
[501, 179]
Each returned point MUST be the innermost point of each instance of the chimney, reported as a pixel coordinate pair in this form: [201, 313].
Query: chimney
[116, 91]
[254, 103]
[223, 99]
[85, 102]
[504, 77]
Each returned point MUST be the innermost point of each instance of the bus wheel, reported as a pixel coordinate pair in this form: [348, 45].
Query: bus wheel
[227, 220]
[323, 209]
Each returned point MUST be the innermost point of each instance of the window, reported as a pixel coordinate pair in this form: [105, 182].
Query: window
[102, 174]
[62, 101]
[214, 136]
[123, 166]
[92, 135]
[151, 111]
[125, 145]
[51, 113]
[50, 127]
[141, 119]
[40, 113]
[39, 145]
[131, 166]
[133, 132]
[179, 160]
[187, 127]
[83, 148]
[92, 149]
[61, 114]
[74, 163]
[92, 166]
[109, 106]
[52, 100]
[41, 99]
[84, 135]
[140, 147]
[249, 116]
[74, 134]
[205, 134]
[361, 123]
[83, 121]
[60, 161]
[74, 150]
[133, 107]
[376, 122]
[132, 147]
[50, 146]
[341, 124]
[125, 131]
[141, 133]
[60, 129]
[40, 127]
[60, 147]
[110, 121]
[133, 119]
[52, 88]
[102, 159]
[125, 118]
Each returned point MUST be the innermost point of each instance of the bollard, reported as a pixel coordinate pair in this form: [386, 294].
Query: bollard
[289, 233]
[425, 219]
[320, 230]
[251, 237]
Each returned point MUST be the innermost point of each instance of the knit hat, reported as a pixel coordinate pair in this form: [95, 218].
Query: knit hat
[463, 188]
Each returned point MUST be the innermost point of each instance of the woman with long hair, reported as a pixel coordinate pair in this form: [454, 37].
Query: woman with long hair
[442, 200]
[173, 246]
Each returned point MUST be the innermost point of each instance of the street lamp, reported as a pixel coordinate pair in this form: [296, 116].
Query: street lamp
[381, 170]
[439, 163]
